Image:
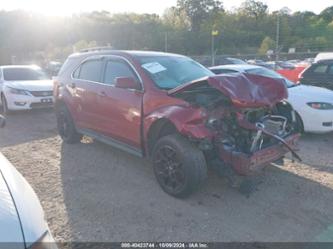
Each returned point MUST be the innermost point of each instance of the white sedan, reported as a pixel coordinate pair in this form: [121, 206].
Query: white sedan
[313, 105]
[24, 88]
[22, 221]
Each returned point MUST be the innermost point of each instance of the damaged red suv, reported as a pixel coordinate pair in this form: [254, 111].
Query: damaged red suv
[176, 112]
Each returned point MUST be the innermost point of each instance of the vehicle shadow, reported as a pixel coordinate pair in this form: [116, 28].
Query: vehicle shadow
[23, 127]
[112, 196]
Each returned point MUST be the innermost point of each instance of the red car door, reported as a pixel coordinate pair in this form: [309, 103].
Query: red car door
[119, 110]
[84, 87]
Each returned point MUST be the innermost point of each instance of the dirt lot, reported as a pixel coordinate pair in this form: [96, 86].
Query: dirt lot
[92, 192]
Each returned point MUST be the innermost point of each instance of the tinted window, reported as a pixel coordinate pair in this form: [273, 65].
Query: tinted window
[76, 73]
[91, 70]
[220, 71]
[24, 73]
[330, 70]
[171, 71]
[320, 69]
[115, 69]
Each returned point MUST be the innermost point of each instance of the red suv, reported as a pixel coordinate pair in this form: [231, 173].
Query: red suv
[176, 112]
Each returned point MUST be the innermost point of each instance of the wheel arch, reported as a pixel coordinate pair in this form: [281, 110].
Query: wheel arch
[161, 127]
[299, 119]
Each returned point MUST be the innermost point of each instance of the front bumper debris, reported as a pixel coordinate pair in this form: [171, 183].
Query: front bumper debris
[249, 164]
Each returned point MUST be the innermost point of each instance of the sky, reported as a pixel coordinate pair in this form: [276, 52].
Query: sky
[69, 7]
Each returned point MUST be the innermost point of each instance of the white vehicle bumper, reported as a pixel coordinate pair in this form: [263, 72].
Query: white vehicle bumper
[25, 102]
[318, 121]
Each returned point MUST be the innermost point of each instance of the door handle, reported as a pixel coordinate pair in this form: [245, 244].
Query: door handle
[102, 94]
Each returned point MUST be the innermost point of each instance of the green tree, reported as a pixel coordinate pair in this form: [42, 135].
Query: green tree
[267, 44]
[252, 8]
[198, 11]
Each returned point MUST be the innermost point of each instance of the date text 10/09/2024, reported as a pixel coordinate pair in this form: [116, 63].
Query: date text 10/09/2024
[164, 245]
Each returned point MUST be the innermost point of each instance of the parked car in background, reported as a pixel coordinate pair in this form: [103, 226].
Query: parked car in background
[53, 67]
[313, 105]
[176, 112]
[24, 88]
[291, 71]
[229, 61]
[323, 56]
[22, 220]
[318, 74]
[269, 65]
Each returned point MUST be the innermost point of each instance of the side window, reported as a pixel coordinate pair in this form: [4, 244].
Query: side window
[91, 70]
[330, 70]
[320, 69]
[76, 73]
[115, 69]
[222, 71]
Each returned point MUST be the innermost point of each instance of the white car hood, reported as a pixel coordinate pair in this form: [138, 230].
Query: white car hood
[311, 93]
[27, 204]
[31, 85]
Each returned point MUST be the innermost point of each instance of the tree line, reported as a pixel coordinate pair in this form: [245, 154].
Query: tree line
[185, 28]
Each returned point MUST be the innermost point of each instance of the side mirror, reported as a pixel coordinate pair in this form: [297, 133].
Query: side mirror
[127, 83]
[2, 121]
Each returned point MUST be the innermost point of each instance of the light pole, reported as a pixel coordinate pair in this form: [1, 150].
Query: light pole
[166, 42]
[277, 49]
[214, 33]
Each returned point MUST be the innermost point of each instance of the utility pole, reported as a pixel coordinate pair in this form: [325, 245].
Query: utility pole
[214, 33]
[277, 49]
[166, 42]
[213, 48]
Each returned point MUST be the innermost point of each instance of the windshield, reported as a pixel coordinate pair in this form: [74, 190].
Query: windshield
[171, 71]
[271, 74]
[24, 73]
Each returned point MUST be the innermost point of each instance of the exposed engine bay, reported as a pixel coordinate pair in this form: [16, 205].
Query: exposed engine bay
[243, 131]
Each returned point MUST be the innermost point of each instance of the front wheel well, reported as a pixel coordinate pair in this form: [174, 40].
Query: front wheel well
[158, 129]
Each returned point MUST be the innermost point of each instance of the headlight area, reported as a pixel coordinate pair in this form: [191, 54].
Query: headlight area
[320, 105]
[17, 91]
[46, 241]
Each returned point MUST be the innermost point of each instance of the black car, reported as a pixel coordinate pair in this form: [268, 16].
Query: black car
[319, 74]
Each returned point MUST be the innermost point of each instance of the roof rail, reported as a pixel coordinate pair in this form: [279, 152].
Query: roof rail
[96, 49]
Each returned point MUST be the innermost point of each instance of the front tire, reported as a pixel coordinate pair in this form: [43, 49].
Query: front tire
[66, 126]
[4, 103]
[299, 125]
[180, 168]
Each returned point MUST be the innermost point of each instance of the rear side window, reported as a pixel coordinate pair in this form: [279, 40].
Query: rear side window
[320, 69]
[330, 70]
[115, 69]
[220, 71]
[90, 70]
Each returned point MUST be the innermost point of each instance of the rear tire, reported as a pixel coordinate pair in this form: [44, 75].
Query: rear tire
[180, 168]
[66, 126]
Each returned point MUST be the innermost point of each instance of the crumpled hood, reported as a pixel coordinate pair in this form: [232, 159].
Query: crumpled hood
[244, 90]
[31, 85]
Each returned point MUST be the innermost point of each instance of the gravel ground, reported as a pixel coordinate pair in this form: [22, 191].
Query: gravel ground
[93, 192]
